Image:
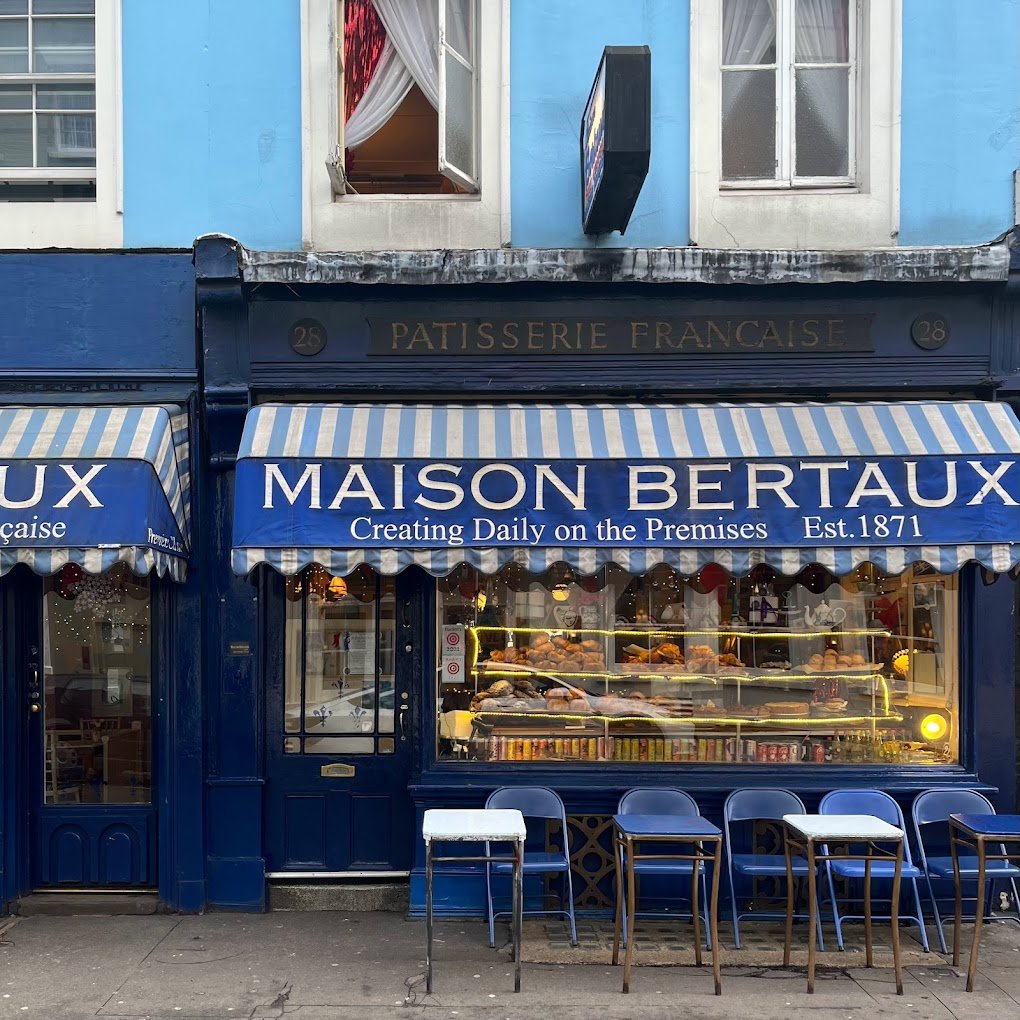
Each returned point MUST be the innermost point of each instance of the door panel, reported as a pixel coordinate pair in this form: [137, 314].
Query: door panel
[85, 664]
[338, 740]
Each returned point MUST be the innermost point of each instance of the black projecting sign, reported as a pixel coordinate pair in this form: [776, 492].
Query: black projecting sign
[616, 138]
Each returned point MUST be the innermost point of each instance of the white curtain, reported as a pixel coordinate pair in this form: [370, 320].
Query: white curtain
[822, 31]
[410, 56]
[749, 31]
[386, 91]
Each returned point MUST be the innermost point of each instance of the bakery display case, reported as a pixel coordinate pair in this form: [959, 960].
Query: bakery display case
[661, 694]
[662, 668]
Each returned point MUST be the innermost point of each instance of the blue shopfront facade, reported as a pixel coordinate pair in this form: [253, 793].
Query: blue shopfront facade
[385, 421]
[101, 732]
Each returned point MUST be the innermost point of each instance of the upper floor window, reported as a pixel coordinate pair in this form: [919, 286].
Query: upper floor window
[47, 100]
[788, 82]
[407, 103]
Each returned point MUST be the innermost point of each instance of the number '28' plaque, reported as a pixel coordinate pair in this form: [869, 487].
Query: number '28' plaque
[307, 337]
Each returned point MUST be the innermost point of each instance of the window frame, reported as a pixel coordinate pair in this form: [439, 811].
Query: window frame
[825, 216]
[405, 221]
[785, 68]
[96, 223]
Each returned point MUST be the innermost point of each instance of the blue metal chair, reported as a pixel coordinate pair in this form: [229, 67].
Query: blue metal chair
[882, 806]
[542, 803]
[662, 801]
[761, 805]
[933, 807]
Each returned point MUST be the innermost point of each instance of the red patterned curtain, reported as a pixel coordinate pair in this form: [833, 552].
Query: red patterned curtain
[364, 36]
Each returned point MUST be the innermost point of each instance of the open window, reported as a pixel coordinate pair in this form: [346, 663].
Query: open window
[407, 104]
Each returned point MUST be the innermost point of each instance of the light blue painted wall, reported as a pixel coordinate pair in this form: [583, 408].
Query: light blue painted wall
[961, 120]
[212, 122]
[555, 52]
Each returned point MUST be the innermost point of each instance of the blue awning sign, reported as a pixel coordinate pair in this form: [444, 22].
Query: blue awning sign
[94, 486]
[685, 485]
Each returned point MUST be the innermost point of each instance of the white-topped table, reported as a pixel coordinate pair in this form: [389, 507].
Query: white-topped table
[810, 835]
[475, 825]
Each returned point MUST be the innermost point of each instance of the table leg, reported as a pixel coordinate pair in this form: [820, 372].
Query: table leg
[518, 908]
[696, 866]
[789, 902]
[631, 897]
[979, 910]
[869, 960]
[812, 907]
[713, 923]
[620, 897]
[958, 915]
[428, 917]
[894, 911]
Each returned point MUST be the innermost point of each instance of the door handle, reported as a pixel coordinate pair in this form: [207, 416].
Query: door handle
[402, 713]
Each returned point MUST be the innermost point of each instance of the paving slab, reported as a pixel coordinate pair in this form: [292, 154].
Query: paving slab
[370, 966]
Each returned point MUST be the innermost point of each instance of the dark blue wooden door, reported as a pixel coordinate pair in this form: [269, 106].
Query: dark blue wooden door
[85, 683]
[339, 725]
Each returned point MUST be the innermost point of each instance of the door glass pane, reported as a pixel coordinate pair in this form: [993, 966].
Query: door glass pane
[13, 6]
[98, 696]
[823, 123]
[749, 32]
[13, 47]
[16, 139]
[343, 683]
[748, 125]
[64, 45]
[15, 97]
[823, 31]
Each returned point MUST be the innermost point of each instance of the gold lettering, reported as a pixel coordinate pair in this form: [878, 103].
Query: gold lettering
[663, 332]
[715, 333]
[510, 337]
[810, 337]
[690, 333]
[398, 330]
[756, 342]
[536, 331]
[485, 338]
[771, 334]
[638, 334]
[443, 327]
[837, 332]
[558, 332]
[420, 336]
[598, 332]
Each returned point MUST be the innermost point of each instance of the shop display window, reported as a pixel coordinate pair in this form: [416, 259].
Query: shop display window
[660, 667]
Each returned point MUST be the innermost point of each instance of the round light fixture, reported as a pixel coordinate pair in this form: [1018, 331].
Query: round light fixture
[337, 587]
[901, 662]
[560, 593]
[934, 727]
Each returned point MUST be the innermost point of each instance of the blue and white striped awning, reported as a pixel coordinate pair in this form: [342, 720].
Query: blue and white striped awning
[133, 505]
[320, 433]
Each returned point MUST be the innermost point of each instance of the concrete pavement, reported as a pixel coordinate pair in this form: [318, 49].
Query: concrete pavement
[321, 964]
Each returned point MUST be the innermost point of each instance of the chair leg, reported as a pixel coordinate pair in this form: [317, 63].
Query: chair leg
[836, 919]
[1016, 899]
[489, 906]
[818, 921]
[920, 916]
[570, 907]
[733, 908]
[938, 917]
[704, 910]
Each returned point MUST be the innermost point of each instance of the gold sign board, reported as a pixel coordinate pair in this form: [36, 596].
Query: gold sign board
[337, 770]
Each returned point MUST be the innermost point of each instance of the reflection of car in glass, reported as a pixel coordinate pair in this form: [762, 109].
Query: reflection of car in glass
[350, 711]
[72, 699]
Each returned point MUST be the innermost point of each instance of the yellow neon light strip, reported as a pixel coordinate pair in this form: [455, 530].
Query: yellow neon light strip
[681, 677]
[677, 632]
[716, 720]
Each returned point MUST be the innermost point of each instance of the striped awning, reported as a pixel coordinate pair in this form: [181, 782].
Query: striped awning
[110, 484]
[851, 436]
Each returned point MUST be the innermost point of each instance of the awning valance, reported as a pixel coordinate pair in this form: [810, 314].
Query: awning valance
[94, 486]
[786, 484]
